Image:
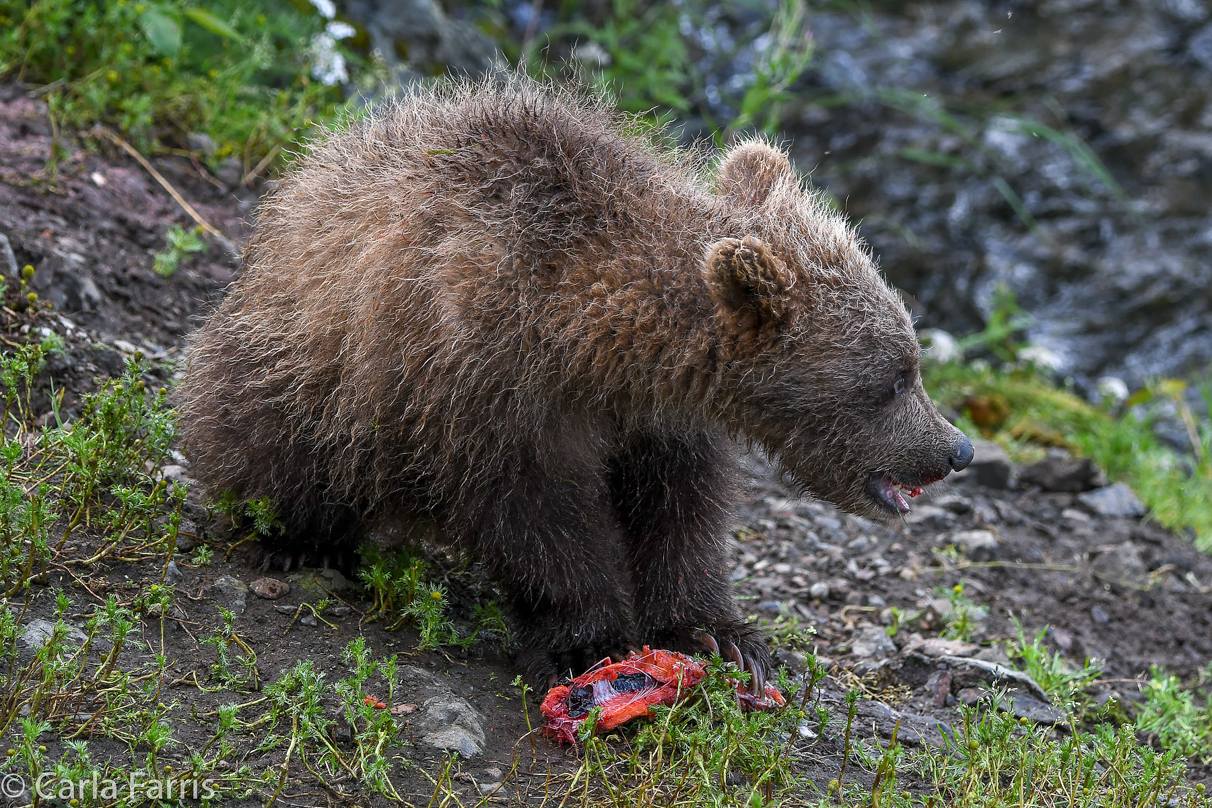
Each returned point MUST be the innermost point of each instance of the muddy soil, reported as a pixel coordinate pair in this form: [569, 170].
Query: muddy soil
[1116, 588]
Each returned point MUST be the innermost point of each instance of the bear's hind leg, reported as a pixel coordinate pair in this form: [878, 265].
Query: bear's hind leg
[547, 529]
[674, 495]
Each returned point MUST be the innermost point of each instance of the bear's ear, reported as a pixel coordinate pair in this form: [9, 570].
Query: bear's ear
[751, 170]
[748, 280]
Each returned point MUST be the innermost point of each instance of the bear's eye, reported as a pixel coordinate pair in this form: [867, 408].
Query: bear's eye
[900, 385]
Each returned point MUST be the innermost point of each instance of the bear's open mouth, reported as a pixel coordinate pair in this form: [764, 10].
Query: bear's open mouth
[893, 494]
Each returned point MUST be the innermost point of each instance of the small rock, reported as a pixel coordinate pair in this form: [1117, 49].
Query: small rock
[201, 142]
[38, 632]
[8, 261]
[930, 515]
[231, 593]
[954, 503]
[1074, 516]
[873, 643]
[230, 171]
[334, 581]
[1032, 710]
[1113, 501]
[967, 668]
[1099, 615]
[308, 620]
[269, 588]
[340, 610]
[450, 723]
[978, 545]
[995, 654]
[990, 466]
[1062, 474]
[938, 687]
[176, 473]
[938, 647]
[969, 695]
[1121, 563]
[819, 590]
[284, 609]
[173, 574]
[493, 773]
[1063, 639]
[488, 788]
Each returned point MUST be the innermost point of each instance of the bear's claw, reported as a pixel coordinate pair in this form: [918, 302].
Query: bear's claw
[750, 663]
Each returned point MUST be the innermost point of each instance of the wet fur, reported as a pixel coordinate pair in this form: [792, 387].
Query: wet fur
[497, 307]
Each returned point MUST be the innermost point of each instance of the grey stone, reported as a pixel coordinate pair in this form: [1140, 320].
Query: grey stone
[937, 647]
[230, 171]
[201, 142]
[449, 723]
[993, 673]
[38, 632]
[308, 620]
[1062, 474]
[1121, 563]
[1032, 710]
[176, 473]
[873, 643]
[954, 503]
[173, 574]
[819, 590]
[1116, 500]
[269, 588]
[231, 593]
[8, 261]
[1099, 615]
[990, 466]
[978, 545]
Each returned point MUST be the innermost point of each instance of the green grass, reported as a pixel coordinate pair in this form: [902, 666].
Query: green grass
[1037, 413]
[159, 71]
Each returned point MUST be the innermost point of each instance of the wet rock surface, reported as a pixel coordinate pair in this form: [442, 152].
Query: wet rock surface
[920, 118]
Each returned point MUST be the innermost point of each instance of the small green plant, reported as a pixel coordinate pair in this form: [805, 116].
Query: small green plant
[402, 596]
[242, 75]
[963, 614]
[225, 641]
[181, 243]
[1172, 713]
[1063, 682]
[375, 729]
[785, 631]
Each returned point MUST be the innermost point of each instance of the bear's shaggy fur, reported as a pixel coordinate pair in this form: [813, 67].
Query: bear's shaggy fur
[499, 308]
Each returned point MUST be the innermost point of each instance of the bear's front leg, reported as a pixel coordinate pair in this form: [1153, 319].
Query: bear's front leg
[674, 495]
[546, 526]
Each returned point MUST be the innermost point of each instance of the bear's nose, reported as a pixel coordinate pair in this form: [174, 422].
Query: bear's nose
[961, 453]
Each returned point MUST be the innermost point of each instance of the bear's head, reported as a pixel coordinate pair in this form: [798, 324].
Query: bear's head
[822, 360]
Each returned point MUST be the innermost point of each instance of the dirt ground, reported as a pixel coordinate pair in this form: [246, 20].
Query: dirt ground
[1116, 588]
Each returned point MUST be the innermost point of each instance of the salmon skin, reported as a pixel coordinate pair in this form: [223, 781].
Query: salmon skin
[629, 689]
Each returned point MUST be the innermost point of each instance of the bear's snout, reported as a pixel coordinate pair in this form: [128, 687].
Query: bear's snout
[961, 453]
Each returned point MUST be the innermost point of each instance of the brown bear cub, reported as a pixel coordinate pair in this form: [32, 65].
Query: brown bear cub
[500, 309]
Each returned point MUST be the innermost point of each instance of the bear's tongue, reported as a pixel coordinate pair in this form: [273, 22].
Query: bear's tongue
[893, 493]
